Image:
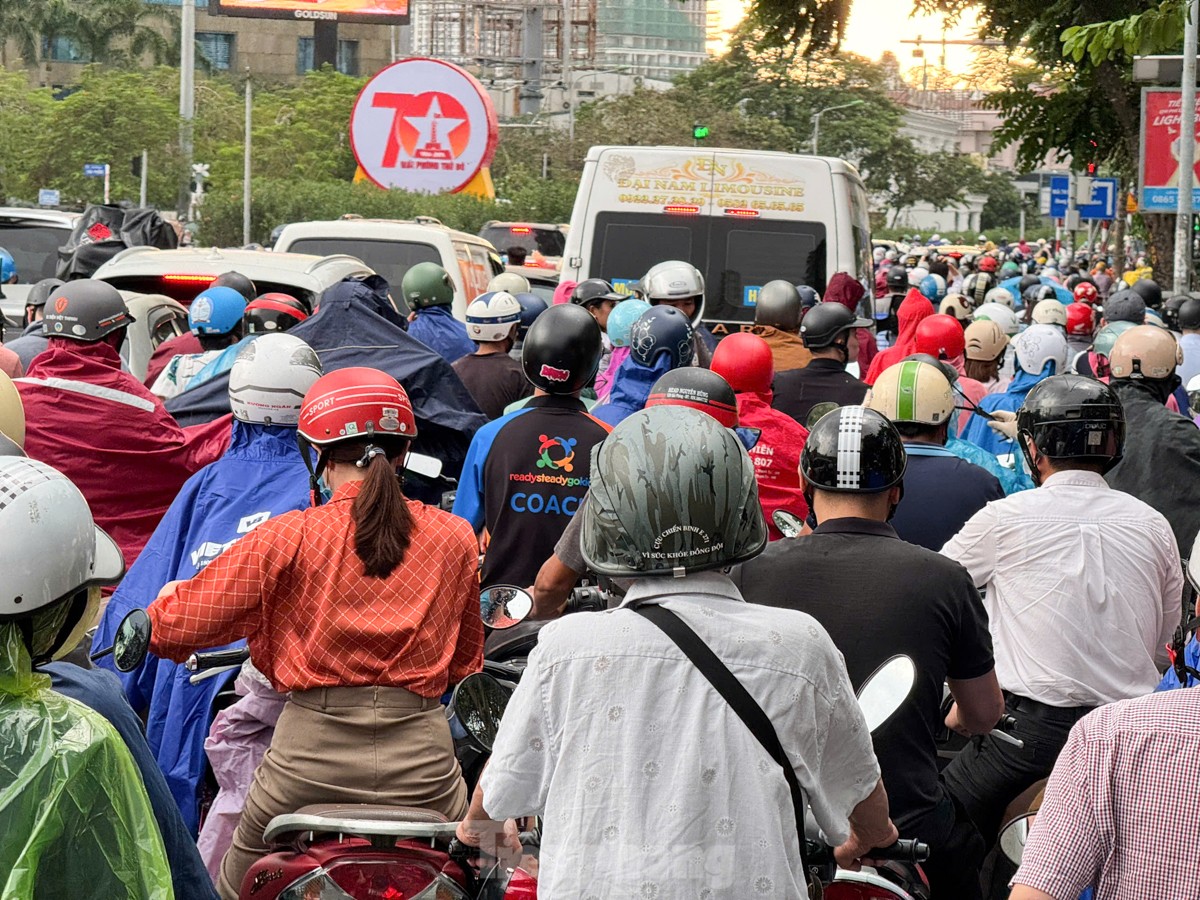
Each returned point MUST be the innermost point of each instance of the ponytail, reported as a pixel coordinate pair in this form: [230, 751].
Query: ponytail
[383, 523]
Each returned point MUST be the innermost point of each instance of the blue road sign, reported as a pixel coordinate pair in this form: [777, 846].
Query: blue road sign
[47, 197]
[1103, 203]
[94, 170]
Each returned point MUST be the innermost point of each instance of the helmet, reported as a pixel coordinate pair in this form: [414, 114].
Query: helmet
[269, 379]
[1107, 336]
[940, 336]
[745, 361]
[217, 310]
[1050, 312]
[1145, 351]
[914, 392]
[493, 316]
[696, 388]
[955, 305]
[532, 306]
[8, 266]
[984, 340]
[1038, 345]
[85, 310]
[1000, 295]
[12, 411]
[808, 296]
[897, 279]
[662, 329]
[988, 263]
[824, 322]
[1189, 314]
[1086, 292]
[1001, 315]
[273, 312]
[594, 290]
[510, 282]
[933, 287]
[1073, 417]
[674, 280]
[853, 450]
[916, 276]
[1034, 295]
[1149, 291]
[1010, 270]
[779, 306]
[238, 282]
[562, 350]
[976, 287]
[44, 513]
[1026, 282]
[41, 291]
[353, 404]
[427, 284]
[672, 492]
[1125, 306]
[621, 319]
[1170, 313]
[1081, 320]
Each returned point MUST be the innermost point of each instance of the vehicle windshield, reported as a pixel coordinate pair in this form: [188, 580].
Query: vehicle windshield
[391, 259]
[546, 241]
[34, 246]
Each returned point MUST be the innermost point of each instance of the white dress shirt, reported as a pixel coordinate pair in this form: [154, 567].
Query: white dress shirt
[650, 785]
[1083, 589]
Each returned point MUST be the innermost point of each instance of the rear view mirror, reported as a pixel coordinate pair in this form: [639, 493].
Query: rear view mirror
[1014, 835]
[478, 705]
[789, 524]
[503, 606]
[886, 689]
[132, 641]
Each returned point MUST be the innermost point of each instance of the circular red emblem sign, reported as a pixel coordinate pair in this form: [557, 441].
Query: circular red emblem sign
[60, 304]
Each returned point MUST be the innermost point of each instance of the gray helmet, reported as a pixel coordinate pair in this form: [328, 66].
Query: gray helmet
[673, 492]
[778, 306]
[85, 310]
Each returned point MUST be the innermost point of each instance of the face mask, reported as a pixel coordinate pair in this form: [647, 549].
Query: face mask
[324, 490]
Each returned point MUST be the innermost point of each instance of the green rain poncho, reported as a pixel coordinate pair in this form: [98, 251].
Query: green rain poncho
[75, 820]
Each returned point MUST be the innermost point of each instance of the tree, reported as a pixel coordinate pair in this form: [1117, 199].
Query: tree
[117, 32]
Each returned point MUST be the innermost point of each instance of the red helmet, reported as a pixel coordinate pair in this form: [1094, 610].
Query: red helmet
[744, 360]
[941, 337]
[353, 404]
[273, 312]
[988, 263]
[1081, 318]
[1086, 292]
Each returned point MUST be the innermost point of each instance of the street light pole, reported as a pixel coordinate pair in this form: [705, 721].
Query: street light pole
[187, 87]
[815, 118]
[1187, 154]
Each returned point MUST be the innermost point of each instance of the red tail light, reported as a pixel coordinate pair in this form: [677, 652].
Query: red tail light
[742, 213]
[521, 229]
[680, 210]
[191, 280]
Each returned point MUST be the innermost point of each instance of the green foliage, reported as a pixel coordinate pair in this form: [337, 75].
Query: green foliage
[1154, 31]
[23, 117]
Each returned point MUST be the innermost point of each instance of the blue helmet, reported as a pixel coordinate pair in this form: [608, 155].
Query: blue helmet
[532, 306]
[662, 329]
[621, 319]
[933, 288]
[217, 310]
[8, 267]
[808, 296]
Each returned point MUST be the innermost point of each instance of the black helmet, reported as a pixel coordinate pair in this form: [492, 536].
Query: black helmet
[1078, 278]
[273, 311]
[808, 296]
[238, 282]
[1035, 294]
[662, 329]
[41, 291]
[1026, 282]
[1189, 313]
[825, 321]
[85, 310]
[696, 388]
[562, 350]
[853, 450]
[673, 492]
[532, 306]
[1073, 417]
[1149, 291]
[779, 306]
[897, 279]
[1170, 310]
[594, 290]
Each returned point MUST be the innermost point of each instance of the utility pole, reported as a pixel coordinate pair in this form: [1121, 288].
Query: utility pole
[1187, 154]
[566, 69]
[187, 92]
[246, 165]
[145, 173]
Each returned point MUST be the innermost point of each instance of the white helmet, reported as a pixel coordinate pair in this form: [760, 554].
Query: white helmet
[674, 280]
[1000, 295]
[1050, 312]
[912, 391]
[1040, 344]
[956, 305]
[270, 377]
[1001, 315]
[493, 316]
[51, 551]
[511, 282]
[916, 276]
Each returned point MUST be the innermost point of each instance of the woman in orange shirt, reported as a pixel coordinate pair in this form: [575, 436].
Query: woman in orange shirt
[365, 609]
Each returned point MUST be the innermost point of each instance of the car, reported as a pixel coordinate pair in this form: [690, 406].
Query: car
[542, 243]
[392, 246]
[542, 282]
[33, 237]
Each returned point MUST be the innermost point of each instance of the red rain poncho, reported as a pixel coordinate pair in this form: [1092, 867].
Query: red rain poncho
[914, 308]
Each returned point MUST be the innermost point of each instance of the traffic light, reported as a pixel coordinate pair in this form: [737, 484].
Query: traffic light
[1091, 163]
[699, 132]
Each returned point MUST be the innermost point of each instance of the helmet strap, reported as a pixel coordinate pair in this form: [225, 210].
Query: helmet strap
[1024, 439]
[314, 474]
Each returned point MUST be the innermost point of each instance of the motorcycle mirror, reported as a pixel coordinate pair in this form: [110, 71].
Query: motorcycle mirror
[1014, 835]
[132, 641]
[503, 606]
[425, 466]
[886, 689]
[477, 706]
[789, 524]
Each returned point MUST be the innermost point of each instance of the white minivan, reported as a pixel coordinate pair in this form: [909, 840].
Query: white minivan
[743, 217]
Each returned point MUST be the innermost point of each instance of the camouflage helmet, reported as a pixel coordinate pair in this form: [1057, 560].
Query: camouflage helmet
[673, 492]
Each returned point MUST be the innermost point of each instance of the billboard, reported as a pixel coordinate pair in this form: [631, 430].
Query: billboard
[388, 12]
[1158, 169]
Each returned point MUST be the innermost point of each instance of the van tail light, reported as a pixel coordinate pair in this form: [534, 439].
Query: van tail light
[680, 210]
[190, 280]
[742, 213]
[521, 229]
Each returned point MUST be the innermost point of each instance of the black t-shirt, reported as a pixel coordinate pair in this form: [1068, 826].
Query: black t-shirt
[799, 390]
[493, 381]
[940, 494]
[879, 596]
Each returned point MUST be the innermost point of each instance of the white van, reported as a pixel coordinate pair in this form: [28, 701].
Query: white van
[743, 217]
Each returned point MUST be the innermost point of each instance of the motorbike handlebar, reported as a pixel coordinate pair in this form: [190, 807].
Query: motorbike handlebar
[215, 659]
[903, 850]
[586, 599]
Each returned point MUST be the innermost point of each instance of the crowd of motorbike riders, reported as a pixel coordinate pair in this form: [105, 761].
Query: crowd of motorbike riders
[986, 463]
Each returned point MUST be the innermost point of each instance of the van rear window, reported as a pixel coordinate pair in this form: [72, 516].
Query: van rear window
[391, 259]
[737, 256]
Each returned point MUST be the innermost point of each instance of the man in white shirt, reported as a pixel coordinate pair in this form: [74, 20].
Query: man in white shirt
[1083, 589]
[649, 783]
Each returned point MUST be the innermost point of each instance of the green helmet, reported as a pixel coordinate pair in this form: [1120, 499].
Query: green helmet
[673, 492]
[427, 284]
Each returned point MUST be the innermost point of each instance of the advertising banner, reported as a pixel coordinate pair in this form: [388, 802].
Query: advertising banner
[1159, 176]
[387, 12]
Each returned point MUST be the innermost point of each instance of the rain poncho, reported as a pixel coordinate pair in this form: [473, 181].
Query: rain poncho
[915, 308]
[776, 456]
[438, 330]
[630, 389]
[261, 476]
[1011, 480]
[977, 430]
[106, 432]
[74, 815]
[604, 380]
[167, 351]
[844, 289]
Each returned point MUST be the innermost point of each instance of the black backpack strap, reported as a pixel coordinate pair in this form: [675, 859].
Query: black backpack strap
[740, 701]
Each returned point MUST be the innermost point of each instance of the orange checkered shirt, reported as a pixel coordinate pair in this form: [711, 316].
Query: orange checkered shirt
[295, 588]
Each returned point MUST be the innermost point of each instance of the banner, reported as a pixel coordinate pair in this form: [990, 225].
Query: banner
[1159, 176]
[388, 12]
